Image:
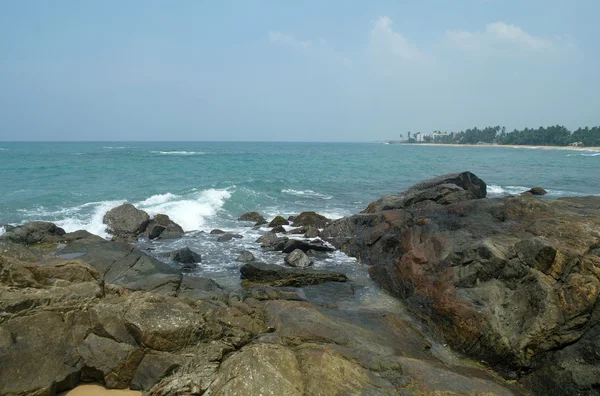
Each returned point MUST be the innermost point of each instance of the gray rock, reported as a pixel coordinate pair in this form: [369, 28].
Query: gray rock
[154, 367]
[126, 222]
[199, 288]
[311, 232]
[186, 256]
[217, 231]
[34, 232]
[454, 187]
[305, 246]
[299, 259]
[271, 241]
[228, 237]
[245, 257]
[278, 230]
[161, 226]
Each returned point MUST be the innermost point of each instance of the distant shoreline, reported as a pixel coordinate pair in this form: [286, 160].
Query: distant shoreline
[502, 145]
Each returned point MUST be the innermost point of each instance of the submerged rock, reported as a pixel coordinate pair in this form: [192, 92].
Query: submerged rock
[228, 237]
[253, 216]
[274, 275]
[297, 258]
[245, 257]
[186, 256]
[126, 222]
[217, 231]
[278, 221]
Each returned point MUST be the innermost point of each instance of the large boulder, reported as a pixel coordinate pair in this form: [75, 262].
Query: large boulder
[310, 219]
[514, 281]
[257, 370]
[161, 226]
[126, 222]
[257, 273]
[443, 190]
[34, 232]
[253, 216]
[297, 258]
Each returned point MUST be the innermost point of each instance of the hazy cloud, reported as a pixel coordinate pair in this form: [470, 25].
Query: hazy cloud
[287, 39]
[498, 37]
[385, 41]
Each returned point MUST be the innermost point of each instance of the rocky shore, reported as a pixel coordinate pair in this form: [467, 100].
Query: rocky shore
[511, 282]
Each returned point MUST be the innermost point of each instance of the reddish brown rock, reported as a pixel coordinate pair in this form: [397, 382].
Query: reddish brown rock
[514, 281]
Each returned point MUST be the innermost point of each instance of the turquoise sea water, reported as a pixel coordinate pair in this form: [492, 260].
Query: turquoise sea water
[208, 185]
[205, 184]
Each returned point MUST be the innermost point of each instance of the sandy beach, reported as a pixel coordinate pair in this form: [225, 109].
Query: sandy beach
[98, 390]
[504, 146]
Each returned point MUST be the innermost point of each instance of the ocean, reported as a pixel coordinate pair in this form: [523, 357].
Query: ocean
[207, 185]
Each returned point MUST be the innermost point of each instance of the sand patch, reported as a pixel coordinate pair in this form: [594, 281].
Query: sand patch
[98, 390]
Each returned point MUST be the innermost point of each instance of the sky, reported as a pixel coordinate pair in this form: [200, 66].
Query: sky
[293, 71]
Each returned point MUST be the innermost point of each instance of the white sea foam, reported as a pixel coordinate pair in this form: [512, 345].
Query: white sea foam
[158, 199]
[178, 152]
[3, 149]
[90, 221]
[112, 147]
[495, 190]
[591, 155]
[333, 215]
[191, 211]
[305, 193]
[2, 230]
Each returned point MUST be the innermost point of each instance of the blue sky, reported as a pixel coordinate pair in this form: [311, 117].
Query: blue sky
[293, 71]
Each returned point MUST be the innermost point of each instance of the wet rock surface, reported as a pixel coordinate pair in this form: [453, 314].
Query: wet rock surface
[76, 307]
[161, 226]
[257, 273]
[512, 281]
